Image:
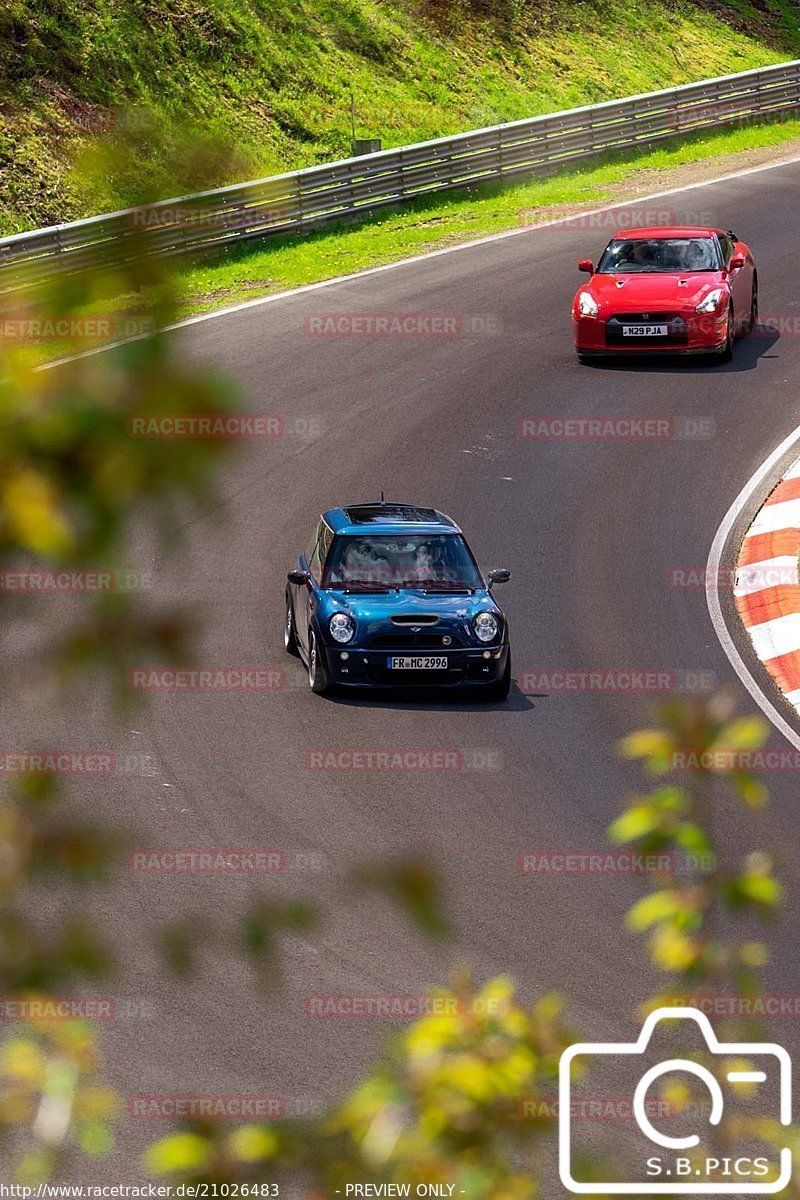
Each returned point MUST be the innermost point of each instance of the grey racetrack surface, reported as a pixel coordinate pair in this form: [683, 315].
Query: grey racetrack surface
[590, 531]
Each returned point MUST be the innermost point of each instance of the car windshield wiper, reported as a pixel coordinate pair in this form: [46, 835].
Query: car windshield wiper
[362, 587]
[439, 585]
[663, 271]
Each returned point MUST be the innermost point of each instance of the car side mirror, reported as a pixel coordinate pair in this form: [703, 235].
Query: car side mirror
[298, 577]
[586, 265]
[500, 575]
[738, 261]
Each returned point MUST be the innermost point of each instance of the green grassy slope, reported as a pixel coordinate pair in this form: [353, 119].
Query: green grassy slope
[232, 89]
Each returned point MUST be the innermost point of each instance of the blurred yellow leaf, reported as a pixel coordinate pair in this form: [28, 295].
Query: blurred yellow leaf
[180, 1152]
[754, 954]
[252, 1143]
[655, 907]
[740, 1065]
[677, 1094]
[744, 733]
[644, 742]
[29, 508]
[639, 820]
[672, 950]
[752, 790]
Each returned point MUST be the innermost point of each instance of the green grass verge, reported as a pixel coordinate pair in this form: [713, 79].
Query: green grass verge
[446, 219]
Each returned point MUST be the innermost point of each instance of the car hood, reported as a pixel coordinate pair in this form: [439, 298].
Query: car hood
[632, 293]
[375, 611]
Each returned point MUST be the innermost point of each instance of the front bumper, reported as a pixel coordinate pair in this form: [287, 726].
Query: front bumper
[365, 668]
[688, 333]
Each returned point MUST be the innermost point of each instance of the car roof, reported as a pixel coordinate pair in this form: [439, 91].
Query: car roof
[388, 516]
[668, 231]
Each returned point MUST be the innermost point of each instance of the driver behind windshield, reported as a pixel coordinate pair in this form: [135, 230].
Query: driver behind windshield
[699, 256]
[383, 561]
[366, 561]
[661, 254]
[428, 560]
[636, 255]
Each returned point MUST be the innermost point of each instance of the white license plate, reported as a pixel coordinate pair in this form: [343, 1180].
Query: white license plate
[644, 330]
[426, 662]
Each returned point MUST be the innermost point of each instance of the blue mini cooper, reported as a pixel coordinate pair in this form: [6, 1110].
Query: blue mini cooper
[388, 595]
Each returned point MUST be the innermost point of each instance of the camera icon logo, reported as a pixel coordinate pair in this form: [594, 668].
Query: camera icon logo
[681, 1165]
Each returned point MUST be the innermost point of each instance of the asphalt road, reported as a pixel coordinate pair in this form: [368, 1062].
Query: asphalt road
[590, 530]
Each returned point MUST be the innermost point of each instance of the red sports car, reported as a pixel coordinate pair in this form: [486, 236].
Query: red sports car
[681, 290]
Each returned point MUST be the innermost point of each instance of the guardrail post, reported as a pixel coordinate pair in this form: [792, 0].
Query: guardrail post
[351, 170]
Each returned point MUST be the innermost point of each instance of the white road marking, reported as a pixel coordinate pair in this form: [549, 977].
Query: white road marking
[773, 517]
[732, 515]
[770, 572]
[421, 258]
[712, 594]
[779, 636]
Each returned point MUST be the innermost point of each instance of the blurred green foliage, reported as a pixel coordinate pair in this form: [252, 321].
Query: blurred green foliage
[72, 485]
[451, 1100]
[446, 1103]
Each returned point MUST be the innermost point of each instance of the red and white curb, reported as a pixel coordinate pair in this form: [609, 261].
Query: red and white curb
[767, 588]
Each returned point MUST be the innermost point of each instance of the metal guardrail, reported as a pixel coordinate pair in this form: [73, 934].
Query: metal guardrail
[335, 191]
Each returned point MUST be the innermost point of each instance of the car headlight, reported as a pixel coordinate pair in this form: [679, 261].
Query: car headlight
[711, 302]
[587, 305]
[486, 627]
[342, 627]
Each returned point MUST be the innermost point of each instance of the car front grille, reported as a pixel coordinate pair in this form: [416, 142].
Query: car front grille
[404, 640]
[404, 619]
[677, 333]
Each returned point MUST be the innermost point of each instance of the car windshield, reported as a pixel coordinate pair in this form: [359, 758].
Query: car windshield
[635, 256]
[433, 562]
